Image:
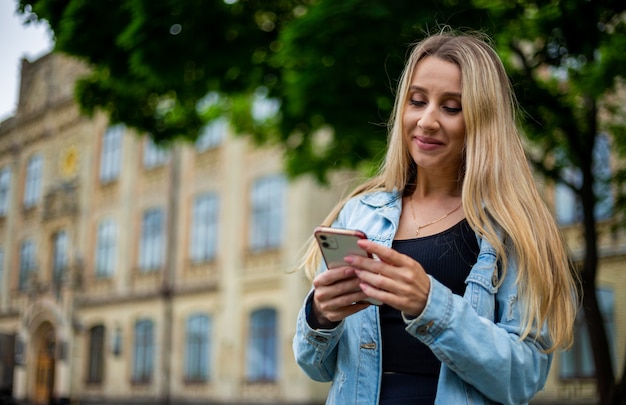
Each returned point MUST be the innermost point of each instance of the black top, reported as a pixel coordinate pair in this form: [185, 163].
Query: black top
[448, 257]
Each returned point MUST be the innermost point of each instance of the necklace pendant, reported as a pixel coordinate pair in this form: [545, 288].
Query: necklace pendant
[417, 232]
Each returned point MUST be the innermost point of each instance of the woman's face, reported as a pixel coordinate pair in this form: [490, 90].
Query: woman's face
[434, 128]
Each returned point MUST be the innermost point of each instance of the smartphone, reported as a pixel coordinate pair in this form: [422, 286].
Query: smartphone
[337, 243]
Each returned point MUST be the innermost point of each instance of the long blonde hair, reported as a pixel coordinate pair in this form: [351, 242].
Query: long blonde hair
[499, 191]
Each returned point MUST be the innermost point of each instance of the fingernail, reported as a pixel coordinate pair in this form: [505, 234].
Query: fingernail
[348, 259]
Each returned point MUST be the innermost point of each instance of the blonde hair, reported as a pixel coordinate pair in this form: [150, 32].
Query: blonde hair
[498, 190]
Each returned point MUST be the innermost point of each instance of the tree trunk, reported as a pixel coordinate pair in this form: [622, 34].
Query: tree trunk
[605, 379]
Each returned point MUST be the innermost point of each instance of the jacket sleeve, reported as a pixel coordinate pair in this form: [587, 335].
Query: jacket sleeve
[315, 350]
[484, 352]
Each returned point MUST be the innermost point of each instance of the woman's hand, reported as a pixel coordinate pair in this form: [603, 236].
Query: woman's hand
[397, 280]
[336, 296]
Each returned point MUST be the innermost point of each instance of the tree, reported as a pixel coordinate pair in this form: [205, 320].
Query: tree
[339, 66]
[330, 64]
[153, 62]
[333, 65]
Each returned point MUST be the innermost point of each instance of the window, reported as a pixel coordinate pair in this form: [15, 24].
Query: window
[577, 362]
[262, 346]
[27, 263]
[32, 189]
[266, 230]
[197, 348]
[106, 249]
[212, 135]
[5, 187]
[153, 155]
[143, 362]
[204, 228]
[95, 367]
[59, 256]
[568, 208]
[111, 157]
[152, 241]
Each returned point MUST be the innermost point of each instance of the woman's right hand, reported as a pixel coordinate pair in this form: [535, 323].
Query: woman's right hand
[336, 295]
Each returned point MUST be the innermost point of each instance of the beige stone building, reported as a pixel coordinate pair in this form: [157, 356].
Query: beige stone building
[131, 274]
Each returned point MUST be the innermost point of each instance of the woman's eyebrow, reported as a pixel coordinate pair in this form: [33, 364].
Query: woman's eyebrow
[425, 91]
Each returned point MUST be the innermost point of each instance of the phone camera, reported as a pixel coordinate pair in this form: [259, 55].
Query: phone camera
[323, 237]
[325, 244]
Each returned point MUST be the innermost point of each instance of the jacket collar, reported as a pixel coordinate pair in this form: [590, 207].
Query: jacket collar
[381, 198]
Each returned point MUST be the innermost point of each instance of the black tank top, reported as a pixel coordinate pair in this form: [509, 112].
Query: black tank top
[448, 257]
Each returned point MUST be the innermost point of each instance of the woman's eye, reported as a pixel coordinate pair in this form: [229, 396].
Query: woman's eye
[453, 110]
[418, 103]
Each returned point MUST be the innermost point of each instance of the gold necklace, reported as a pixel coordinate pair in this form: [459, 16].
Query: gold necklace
[417, 230]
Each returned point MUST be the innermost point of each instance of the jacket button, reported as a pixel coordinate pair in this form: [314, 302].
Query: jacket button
[321, 339]
[422, 330]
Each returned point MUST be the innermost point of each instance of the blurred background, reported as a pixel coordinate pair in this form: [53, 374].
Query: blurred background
[163, 165]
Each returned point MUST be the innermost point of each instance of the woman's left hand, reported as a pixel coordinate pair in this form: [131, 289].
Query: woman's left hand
[395, 279]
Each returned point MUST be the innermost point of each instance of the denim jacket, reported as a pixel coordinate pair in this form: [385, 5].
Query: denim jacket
[476, 336]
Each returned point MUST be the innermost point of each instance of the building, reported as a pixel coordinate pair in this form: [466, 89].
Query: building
[132, 274]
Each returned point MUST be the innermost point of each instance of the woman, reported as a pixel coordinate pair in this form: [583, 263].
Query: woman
[473, 274]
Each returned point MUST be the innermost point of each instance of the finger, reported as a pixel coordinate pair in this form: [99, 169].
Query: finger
[384, 253]
[338, 309]
[332, 276]
[341, 291]
[376, 280]
[407, 297]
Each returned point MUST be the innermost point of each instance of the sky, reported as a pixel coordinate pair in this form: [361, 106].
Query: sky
[16, 42]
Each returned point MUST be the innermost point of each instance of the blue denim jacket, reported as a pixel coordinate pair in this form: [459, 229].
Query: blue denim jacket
[476, 336]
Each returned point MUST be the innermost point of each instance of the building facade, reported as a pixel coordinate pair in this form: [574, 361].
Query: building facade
[134, 274]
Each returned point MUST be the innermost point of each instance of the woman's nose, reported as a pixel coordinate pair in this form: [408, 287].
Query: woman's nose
[428, 121]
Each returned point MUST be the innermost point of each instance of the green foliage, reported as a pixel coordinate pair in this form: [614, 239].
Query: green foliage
[339, 65]
[153, 61]
[331, 65]
[562, 57]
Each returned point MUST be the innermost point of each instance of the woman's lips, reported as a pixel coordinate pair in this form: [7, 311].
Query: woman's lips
[426, 143]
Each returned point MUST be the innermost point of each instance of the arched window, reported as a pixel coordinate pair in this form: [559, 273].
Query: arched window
[111, 155]
[106, 248]
[143, 352]
[198, 348]
[95, 367]
[32, 184]
[5, 188]
[262, 354]
[60, 247]
[268, 211]
[152, 247]
[204, 228]
[28, 263]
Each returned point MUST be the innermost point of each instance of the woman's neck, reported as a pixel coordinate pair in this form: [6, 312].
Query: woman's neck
[433, 187]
